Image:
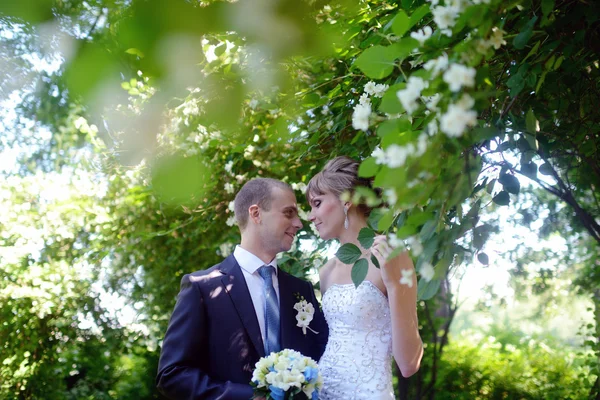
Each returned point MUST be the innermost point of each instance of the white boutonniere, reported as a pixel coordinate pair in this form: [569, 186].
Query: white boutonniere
[305, 315]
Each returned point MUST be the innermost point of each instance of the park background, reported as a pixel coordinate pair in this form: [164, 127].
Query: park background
[127, 126]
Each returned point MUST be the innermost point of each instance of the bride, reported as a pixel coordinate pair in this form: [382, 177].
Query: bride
[368, 324]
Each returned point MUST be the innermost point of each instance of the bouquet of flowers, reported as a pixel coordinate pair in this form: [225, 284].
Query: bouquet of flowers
[286, 375]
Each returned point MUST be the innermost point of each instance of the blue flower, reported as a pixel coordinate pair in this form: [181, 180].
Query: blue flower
[315, 395]
[311, 374]
[277, 393]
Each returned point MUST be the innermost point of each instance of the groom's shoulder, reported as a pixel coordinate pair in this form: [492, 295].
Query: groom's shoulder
[297, 281]
[205, 276]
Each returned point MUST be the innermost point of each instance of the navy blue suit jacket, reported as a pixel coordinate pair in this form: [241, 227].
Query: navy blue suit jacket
[213, 340]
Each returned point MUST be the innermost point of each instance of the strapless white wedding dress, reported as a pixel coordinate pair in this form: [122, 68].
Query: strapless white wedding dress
[357, 363]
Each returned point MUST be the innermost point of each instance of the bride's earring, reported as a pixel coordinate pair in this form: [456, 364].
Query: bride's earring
[346, 220]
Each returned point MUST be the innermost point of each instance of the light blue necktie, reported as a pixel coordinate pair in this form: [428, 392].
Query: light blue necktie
[271, 311]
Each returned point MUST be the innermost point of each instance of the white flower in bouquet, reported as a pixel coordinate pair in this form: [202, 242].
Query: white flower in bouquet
[286, 372]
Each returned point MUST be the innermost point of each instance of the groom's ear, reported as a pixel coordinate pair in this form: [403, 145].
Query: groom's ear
[254, 213]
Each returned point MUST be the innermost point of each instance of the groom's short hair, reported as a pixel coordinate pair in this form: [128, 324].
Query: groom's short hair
[256, 191]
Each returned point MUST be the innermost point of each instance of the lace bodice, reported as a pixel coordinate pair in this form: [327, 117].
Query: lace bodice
[357, 360]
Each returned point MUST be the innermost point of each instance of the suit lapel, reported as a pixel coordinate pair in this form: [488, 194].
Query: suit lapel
[287, 299]
[235, 285]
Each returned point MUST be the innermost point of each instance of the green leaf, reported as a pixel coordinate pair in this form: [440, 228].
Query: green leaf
[368, 168]
[531, 122]
[490, 186]
[511, 183]
[483, 258]
[523, 37]
[547, 7]
[402, 48]
[418, 218]
[558, 63]
[529, 169]
[375, 62]
[366, 237]
[485, 133]
[135, 52]
[418, 15]
[401, 23]
[375, 261]
[516, 83]
[426, 290]
[502, 198]
[348, 253]
[428, 229]
[390, 104]
[546, 169]
[359, 271]
[386, 221]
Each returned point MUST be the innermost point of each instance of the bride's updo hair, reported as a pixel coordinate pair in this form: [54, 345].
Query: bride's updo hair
[339, 176]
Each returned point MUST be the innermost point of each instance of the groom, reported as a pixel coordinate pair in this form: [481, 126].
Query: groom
[235, 312]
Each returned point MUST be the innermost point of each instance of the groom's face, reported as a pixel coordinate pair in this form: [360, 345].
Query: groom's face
[281, 222]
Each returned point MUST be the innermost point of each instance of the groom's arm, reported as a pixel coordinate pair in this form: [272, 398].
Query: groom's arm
[182, 369]
[320, 323]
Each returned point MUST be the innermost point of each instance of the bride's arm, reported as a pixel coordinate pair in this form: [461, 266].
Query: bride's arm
[401, 286]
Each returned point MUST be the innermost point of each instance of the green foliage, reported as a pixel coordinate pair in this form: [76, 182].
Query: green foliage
[485, 368]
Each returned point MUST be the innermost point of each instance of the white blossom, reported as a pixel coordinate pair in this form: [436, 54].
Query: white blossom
[329, 124]
[325, 110]
[360, 116]
[432, 101]
[421, 144]
[466, 102]
[458, 76]
[407, 277]
[391, 197]
[396, 155]
[447, 32]
[231, 221]
[482, 46]
[380, 89]
[408, 96]
[445, 17]
[379, 155]
[248, 151]
[427, 272]
[370, 88]
[416, 247]
[229, 166]
[225, 249]
[395, 242]
[458, 118]
[231, 206]
[432, 127]
[229, 188]
[422, 34]
[364, 99]
[300, 186]
[190, 107]
[497, 38]
[437, 65]
[253, 104]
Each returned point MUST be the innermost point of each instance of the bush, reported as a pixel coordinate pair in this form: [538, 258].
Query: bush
[484, 368]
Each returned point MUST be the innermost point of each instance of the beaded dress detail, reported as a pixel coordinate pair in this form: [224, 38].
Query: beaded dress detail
[356, 364]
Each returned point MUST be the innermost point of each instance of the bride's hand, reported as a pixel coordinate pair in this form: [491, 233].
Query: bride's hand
[391, 270]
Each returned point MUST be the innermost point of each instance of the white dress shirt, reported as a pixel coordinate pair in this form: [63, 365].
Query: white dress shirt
[250, 265]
